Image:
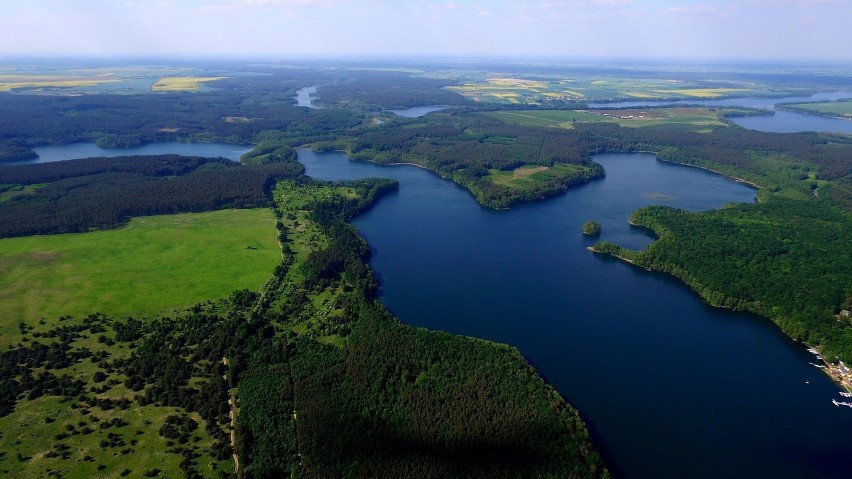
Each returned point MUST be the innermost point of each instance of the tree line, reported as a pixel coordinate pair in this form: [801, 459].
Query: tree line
[96, 193]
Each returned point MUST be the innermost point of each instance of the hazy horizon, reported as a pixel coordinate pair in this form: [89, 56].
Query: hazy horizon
[774, 31]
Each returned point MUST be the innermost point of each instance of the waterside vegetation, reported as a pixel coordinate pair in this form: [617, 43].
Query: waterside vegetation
[301, 372]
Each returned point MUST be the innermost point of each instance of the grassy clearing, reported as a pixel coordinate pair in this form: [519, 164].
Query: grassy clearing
[182, 83]
[530, 177]
[837, 109]
[27, 433]
[154, 264]
[700, 119]
[303, 236]
[8, 192]
[70, 437]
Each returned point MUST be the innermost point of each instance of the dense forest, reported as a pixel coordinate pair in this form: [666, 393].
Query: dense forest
[389, 400]
[239, 110]
[396, 401]
[390, 91]
[97, 193]
[784, 259]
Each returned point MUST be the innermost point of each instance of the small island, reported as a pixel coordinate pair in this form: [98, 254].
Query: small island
[592, 228]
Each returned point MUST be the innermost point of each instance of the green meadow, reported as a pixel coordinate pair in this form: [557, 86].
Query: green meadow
[153, 264]
[838, 109]
[531, 177]
[698, 119]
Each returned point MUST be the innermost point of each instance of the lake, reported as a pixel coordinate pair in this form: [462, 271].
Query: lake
[417, 111]
[305, 97]
[73, 151]
[780, 122]
[669, 386]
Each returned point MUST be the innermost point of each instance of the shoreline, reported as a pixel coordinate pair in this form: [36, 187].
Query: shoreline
[840, 373]
[731, 177]
[805, 111]
[403, 163]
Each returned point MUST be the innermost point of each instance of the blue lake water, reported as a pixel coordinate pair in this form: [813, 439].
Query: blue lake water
[671, 387]
[47, 154]
[305, 97]
[780, 122]
[417, 111]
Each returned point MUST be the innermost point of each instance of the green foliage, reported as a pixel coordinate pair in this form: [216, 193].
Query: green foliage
[388, 90]
[406, 402]
[121, 271]
[591, 228]
[266, 434]
[95, 193]
[784, 259]
[474, 149]
[13, 152]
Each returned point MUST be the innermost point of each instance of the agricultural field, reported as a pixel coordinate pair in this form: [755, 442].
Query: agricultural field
[182, 83]
[39, 83]
[836, 109]
[59, 79]
[582, 89]
[153, 264]
[696, 119]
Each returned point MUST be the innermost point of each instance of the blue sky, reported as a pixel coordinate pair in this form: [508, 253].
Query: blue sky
[686, 29]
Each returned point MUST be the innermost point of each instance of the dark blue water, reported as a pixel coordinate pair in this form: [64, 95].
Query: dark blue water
[780, 122]
[47, 154]
[417, 111]
[671, 387]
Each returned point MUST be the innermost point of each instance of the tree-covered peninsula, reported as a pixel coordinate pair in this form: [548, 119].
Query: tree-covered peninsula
[308, 377]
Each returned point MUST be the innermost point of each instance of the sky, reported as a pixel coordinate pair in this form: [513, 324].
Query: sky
[652, 29]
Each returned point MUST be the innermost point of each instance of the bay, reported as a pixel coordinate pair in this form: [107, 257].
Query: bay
[669, 386]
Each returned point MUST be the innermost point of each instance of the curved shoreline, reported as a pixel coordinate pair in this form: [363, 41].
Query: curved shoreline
[805, 111]
[840, 373]
[731, 177]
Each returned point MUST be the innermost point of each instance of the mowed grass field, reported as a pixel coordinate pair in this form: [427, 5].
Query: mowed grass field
[699, 119]
[153, 264]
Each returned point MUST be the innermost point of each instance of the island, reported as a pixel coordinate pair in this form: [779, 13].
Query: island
[591, 228]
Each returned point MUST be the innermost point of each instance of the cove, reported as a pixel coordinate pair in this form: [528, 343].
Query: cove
[669, 386]
[73, 151]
